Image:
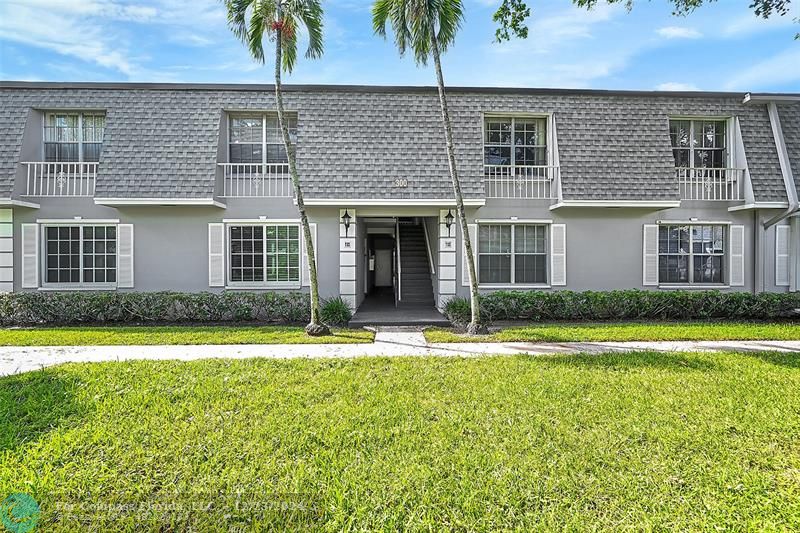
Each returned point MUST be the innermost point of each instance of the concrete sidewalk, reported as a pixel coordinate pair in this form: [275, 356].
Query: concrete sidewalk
[389, 342]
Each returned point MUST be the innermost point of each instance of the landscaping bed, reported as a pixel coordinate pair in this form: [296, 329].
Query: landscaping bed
[644, 441]
[627, 331]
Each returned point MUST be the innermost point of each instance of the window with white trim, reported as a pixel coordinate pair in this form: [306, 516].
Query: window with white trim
[691, 254]
[699, 143]
[514, 142]
[77, 255]
[267, 254]
[512, 254]
[258, 139]
[73, 137]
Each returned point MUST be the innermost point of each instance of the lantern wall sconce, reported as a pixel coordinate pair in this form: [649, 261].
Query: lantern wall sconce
[448, 220]
[346, 218]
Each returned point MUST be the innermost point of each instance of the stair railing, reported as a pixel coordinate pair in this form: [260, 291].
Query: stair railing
[428, 248]
[399, 265]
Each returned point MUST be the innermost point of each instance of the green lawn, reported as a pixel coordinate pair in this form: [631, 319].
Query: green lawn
[644, 441]
[629, 331]
[135, 335]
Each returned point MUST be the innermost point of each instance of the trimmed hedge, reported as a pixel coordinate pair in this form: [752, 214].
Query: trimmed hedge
[39, 308]
[625, 305]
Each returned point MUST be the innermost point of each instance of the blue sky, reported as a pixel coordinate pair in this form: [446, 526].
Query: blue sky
[722, 46]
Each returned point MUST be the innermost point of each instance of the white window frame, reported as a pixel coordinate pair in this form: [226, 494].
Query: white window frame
[548, 118]
[81, 285]
[726, 256]
[80, 141]
[263, 116]
[513, 284]
[262, 284]
[729, 137]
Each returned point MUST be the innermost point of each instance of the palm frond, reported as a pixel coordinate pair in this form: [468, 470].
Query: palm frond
[415, 23]
[288, 36]
[309, 13]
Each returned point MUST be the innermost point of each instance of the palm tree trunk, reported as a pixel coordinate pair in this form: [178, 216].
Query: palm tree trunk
[475, 327]
[315, 327]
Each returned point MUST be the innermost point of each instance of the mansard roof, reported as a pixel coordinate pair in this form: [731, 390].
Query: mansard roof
[162, 140]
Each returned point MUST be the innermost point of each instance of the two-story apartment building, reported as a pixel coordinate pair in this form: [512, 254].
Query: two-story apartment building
[185, 187]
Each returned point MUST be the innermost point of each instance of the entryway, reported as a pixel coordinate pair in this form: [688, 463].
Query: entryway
[398, 286]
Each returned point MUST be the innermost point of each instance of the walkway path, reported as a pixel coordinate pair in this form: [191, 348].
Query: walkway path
[389, 342]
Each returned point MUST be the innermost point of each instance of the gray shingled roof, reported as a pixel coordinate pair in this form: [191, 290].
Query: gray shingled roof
[161, 141]
[790, 122]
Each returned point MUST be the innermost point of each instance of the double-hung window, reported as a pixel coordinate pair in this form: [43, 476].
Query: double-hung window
[73, 137]
[699, 143]
[258, 139]
[514, 142]
[265, 255]
[512, 254]
[691, 254]
[80, 255]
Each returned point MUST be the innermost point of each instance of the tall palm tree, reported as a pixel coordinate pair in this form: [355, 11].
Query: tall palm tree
[278, 20]
[428, 28]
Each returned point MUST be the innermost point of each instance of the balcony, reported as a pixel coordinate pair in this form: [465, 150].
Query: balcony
[710, 184]
[520, 182]
[70, 179]
[261, 180]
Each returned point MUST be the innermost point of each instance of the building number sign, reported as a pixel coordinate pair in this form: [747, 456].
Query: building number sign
[401, 182]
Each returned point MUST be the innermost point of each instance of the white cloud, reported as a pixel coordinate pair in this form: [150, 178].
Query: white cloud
[678, 32]
[778, 69]
[676, 86]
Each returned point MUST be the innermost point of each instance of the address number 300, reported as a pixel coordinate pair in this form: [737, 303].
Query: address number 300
[401, 182]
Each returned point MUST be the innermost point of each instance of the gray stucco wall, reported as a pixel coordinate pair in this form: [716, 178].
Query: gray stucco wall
[604, 246]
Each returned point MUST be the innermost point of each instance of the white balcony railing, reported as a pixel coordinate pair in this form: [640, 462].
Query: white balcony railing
[710, 183]
[257, 179]
[60, 179]
[532, 182]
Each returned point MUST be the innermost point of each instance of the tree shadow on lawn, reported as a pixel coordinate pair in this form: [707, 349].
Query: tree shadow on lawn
[34, 403]
[630, 360]
[787, 359]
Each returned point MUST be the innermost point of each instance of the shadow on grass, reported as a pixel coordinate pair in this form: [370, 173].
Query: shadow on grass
[787, 359]
[629, 361]
[34, 403]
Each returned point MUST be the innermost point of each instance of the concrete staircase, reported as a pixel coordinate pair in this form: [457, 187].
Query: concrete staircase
[415, 273]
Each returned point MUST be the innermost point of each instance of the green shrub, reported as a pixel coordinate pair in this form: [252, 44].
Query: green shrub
[29, 308]
[625, 305]
[335, 312]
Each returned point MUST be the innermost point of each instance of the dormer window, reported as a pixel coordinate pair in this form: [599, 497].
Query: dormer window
[515, 142]
[258, 139]
[699, 143]
[73, 137]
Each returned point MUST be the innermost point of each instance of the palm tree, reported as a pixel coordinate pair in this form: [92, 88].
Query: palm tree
[428, 28]
[252, 21]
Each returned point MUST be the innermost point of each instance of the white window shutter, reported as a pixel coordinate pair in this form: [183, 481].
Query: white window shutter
[216, 255]
[650, 255]
[306, 265]
[737, 256]
[30, 256]
[558, 254]
[473, 240]
[125, 256]
[782, 256]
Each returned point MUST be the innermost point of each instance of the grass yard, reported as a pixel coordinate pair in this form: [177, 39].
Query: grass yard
[610, 442]
[629, 331]
[148, 335]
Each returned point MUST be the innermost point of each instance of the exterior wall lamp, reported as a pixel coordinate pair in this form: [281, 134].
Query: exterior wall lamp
[346, 218]
[448, 220]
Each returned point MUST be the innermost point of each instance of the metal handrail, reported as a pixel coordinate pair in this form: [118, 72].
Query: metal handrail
[428, 247]
[520, 181]
[399, 264]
